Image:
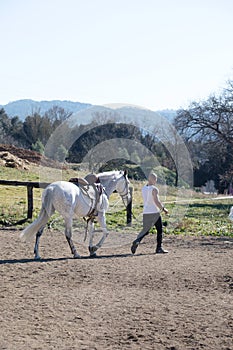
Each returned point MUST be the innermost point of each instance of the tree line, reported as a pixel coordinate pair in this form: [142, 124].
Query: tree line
[35, 131]
[206, 126]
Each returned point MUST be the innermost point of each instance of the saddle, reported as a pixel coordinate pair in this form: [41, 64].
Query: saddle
[92, 190]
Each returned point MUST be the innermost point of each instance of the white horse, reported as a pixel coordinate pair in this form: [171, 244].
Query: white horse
[70, 201]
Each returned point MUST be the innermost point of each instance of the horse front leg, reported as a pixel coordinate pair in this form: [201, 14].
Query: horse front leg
[92, 248]
[102, 221]
[68, 234]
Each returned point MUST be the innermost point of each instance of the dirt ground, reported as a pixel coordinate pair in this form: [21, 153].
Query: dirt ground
[179, 301]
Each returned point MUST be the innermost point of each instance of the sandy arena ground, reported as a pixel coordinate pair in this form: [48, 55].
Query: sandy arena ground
[179, 301]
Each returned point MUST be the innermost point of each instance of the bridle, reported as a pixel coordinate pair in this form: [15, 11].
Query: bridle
[124, 193]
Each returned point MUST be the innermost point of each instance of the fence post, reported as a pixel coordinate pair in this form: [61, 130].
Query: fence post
[30, 201]
[129, 208]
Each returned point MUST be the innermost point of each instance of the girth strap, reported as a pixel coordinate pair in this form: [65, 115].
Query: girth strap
[92, 191]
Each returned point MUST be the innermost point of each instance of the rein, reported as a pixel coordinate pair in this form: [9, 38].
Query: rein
[124, 196]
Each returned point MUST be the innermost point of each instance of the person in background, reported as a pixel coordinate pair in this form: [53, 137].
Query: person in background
[152, 207]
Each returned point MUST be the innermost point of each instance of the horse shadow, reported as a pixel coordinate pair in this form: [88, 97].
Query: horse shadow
[44, 260]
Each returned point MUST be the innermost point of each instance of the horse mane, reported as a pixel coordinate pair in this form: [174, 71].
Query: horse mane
[108, 175]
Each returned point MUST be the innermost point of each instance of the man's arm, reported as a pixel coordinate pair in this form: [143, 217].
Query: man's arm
[157, 201]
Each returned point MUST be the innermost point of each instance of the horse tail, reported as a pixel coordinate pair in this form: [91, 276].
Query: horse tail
[46, 211]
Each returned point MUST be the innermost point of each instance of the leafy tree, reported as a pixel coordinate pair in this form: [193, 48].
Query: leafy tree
[61, 153]
[36, 128]
[123, 153]
[38, 147]
[5, 126]
[11, 130]
[134, 157]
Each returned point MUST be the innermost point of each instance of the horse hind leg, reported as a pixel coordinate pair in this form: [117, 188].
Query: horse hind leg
[36, 247]
[45, 219]
[92, 248]
[68, 234]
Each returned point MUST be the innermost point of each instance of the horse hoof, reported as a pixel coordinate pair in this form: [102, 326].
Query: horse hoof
[77, 256]
[93, 249]
[93, 256]
[37, 258]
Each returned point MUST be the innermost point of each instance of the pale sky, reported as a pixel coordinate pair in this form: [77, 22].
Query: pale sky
[153, 53]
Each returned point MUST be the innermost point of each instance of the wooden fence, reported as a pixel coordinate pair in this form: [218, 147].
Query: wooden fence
[30, 185]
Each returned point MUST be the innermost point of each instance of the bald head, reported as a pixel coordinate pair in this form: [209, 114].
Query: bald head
[152, 179]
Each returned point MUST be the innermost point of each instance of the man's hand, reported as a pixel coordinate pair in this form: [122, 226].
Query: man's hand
[157, 201]
[165, 211]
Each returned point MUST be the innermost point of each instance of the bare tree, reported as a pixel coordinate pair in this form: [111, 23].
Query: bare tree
[211, 119]
[209, 124]
[57, 114]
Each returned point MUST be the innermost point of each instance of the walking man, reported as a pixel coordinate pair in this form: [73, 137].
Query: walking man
[151, 214]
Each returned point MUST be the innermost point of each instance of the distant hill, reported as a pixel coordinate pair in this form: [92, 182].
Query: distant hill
[23, 108]
[170, 114]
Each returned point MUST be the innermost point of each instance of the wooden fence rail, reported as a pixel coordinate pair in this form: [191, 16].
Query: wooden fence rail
[30, 185]
[33, 184]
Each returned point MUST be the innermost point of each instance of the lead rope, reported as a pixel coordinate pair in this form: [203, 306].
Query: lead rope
[131, 210]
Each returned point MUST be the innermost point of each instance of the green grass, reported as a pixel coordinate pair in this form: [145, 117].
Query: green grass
[203, 216]
[209, 218]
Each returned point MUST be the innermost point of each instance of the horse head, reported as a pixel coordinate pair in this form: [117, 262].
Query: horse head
[116, 181]
[122, 187]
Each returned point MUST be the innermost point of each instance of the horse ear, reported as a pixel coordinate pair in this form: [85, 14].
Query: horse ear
[125, 173]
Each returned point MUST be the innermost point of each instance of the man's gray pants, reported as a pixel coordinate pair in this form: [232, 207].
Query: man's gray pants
[149, 220]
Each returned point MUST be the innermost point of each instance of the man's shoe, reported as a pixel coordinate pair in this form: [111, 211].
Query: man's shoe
[161, 251]
[134, 247]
